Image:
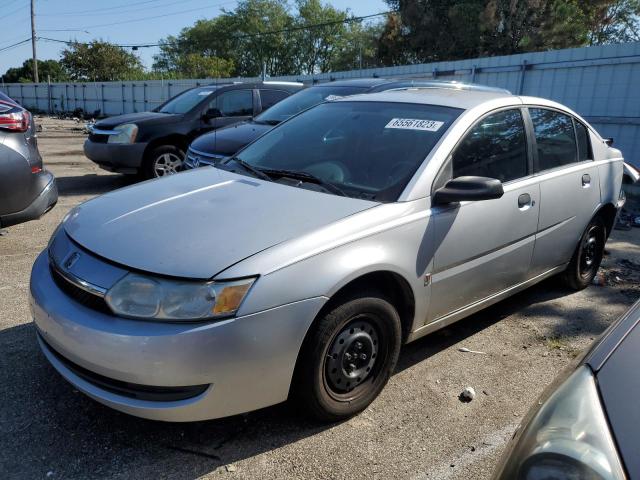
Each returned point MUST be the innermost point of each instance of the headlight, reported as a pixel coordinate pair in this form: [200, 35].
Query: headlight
[126, 134]
[568, 437]
[139, 296]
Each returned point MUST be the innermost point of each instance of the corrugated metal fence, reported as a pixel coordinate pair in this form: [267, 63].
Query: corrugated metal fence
[601, 83]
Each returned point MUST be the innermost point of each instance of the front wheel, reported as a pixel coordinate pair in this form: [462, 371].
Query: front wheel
[348, 357]
[162, 161]
[587, 257]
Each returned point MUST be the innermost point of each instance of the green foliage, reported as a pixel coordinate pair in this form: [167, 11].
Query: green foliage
[46, 69]
[433, 30]
[290, 37]
[99, 61]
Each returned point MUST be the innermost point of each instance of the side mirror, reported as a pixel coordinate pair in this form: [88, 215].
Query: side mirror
[211, 113]
[463, 189]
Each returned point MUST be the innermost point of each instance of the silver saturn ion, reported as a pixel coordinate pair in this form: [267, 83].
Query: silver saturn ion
[297, 268]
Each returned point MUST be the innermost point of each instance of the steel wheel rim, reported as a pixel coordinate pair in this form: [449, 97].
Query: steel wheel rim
[589, 253]
[352, 359]
[167, 164]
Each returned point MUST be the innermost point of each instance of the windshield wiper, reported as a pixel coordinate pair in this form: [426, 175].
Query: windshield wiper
[250, 168]
[259, 121]
[305, 177]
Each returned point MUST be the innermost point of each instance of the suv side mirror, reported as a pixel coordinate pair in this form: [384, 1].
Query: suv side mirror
[211, 113]
[468, 189]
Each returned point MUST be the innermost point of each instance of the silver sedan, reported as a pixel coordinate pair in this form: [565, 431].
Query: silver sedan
[298, 268]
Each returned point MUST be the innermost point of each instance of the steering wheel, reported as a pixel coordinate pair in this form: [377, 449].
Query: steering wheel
[334, 172]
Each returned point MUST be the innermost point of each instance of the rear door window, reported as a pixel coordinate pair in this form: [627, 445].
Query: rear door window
[235, 103]
[496, 147]
[584, 144]
[555, 138]
[269, 98]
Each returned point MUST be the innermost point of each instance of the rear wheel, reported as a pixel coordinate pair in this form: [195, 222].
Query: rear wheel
[162, 161]
[587, 257]
[348, 357]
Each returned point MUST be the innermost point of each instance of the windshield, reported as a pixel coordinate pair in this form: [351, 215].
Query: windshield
[302, 100]
[366, 150]
[185, 101]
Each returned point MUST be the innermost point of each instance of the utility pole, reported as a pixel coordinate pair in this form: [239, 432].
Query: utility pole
[33, 42]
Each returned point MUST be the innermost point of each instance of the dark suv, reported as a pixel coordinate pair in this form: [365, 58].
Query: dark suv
[153, 143]
[209, 148]
[27, 191]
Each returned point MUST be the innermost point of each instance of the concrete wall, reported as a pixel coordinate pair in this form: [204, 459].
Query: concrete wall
[601, 83]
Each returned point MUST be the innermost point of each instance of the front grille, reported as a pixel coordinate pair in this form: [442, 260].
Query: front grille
[127, 389]
[98, 138]
[81, 296]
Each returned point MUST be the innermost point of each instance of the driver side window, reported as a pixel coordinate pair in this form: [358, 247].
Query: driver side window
[496, 147]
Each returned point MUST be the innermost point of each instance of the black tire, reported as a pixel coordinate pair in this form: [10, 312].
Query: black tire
[330, 389]
[164, 154]
[586, 259]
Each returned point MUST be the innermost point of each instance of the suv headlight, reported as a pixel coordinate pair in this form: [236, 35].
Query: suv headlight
[567, 437]
[140, 296]
[126, 134]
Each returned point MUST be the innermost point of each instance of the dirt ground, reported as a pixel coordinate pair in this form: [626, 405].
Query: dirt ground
[416, 429]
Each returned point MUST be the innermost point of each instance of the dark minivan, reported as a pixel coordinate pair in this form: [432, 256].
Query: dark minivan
[153, 143]
[209, 148]
[27, 190]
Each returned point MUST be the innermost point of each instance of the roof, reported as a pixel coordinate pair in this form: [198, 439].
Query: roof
[444, 96]
[356, 82]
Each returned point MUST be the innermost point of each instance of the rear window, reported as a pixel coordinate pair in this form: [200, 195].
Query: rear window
[584, 144]
[302, 100]
[555, 138]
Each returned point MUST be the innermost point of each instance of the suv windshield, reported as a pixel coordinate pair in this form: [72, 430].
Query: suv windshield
[302, 100]
[185, 101]
[365, 149]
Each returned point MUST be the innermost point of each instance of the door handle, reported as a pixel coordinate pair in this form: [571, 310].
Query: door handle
[525, 202]
[586, 180]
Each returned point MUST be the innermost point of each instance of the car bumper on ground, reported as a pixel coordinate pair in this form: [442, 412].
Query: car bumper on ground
[45, 201]
[230, 366]
[121, 158]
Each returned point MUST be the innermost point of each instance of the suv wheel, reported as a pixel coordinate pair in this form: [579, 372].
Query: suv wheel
[587, 257]
[348, 357]
[162, 161]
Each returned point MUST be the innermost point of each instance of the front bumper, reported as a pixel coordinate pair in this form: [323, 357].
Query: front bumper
[246, 363]
[122, 158]
[45, 201]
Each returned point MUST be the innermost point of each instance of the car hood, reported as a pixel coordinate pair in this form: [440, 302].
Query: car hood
[147, 118]
[227, 141]
[196, 224]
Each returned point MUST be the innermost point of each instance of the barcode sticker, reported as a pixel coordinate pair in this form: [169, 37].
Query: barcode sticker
[415, 124]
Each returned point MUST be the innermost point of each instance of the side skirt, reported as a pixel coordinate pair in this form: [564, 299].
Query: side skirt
[480, 304]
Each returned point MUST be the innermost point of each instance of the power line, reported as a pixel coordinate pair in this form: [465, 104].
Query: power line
[13, 11]
[248, 35]
[8, 47]
[119, 8]
[87, 27]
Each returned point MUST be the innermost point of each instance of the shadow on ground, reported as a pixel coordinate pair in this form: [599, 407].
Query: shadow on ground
[92, 184]
[50, 427]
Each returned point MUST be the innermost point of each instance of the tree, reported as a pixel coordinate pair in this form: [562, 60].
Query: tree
[193, 65]
[99, 61]
[434, 30]
[47, 69]
[615, 22]
[317, 48]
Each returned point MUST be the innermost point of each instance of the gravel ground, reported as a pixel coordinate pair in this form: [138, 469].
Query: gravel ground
[416, 429]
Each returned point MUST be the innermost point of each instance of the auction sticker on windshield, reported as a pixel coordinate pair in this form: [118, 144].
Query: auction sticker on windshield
[415, 124]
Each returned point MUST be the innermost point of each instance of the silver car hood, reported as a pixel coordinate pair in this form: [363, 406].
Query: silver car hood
[199, 223]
